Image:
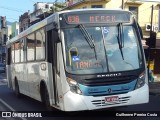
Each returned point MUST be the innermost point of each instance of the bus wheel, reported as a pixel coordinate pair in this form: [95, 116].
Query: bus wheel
[18, 94]
[45, 99]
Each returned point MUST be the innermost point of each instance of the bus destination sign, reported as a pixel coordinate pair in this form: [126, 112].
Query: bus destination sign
[97, 18]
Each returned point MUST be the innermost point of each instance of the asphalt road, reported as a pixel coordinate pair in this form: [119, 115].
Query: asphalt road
[9, 102]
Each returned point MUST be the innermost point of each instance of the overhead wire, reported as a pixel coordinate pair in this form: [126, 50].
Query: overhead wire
[32, 1]
[12, 9]
[18, 10]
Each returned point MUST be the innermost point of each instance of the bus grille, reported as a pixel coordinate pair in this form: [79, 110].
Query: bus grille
[121, 100]
[108, 80]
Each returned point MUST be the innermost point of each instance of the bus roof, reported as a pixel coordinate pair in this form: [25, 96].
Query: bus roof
[91, 9]
[54, 17]
[32, 28]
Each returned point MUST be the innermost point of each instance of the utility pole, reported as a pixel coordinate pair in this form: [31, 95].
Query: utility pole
[149, 42]
[122, 4]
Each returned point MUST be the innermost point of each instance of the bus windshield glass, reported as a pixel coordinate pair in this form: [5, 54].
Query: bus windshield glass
[107, 49]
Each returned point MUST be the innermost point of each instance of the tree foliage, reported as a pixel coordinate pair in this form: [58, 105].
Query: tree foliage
[58, 6]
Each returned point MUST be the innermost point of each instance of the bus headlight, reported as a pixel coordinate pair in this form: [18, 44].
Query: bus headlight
[74, 86]
[141, 80]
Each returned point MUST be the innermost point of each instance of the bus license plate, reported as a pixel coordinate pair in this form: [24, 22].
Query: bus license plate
[112, 99]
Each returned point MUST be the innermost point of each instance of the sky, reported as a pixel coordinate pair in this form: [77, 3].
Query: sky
[12, 9]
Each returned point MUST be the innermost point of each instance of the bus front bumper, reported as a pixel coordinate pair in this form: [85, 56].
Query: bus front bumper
[76, 102]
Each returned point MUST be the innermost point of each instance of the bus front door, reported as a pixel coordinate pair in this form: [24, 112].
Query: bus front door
[52, 56]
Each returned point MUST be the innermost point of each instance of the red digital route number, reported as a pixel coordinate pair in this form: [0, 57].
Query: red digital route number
[73, 19]
[86, 65]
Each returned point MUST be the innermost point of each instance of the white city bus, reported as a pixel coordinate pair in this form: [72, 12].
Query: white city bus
[80, 60]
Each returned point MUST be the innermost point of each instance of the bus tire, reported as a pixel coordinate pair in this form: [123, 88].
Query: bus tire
[16, 91]
[45, 98]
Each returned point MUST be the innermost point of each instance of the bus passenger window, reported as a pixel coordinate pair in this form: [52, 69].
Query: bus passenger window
[17, 52]
[30, 47]
[40, 45]
[12, 54]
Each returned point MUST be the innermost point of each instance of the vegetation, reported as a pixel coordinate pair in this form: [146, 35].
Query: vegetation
[58, 6]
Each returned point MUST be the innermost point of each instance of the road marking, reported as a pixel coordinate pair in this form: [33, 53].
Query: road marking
[8, 106]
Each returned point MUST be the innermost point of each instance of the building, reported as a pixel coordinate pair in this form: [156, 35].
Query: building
[24, 21]
[5, 34]
[14, 29]
[41, 10]
[3, 39]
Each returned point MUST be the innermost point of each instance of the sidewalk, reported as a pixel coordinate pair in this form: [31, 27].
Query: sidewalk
[3, 80]
[154, 87]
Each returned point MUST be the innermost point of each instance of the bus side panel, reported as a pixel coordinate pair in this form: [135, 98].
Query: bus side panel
[34, 75]
[12, 76]
[19, 74]
[8, 75]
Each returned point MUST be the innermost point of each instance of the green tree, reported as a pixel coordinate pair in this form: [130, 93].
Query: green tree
[58, 6]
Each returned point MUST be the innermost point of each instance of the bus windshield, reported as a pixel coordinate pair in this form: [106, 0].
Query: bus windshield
[108, 53]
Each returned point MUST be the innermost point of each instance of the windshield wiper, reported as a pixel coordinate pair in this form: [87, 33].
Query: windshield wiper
[120, 38]
[88, 37]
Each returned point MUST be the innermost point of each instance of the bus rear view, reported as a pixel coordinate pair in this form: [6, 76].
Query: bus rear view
[104, 60]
